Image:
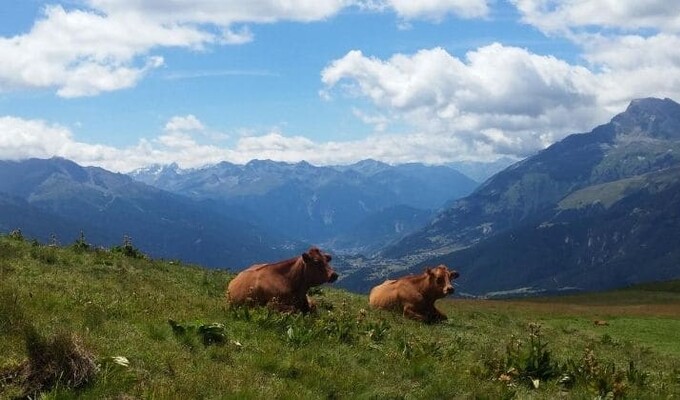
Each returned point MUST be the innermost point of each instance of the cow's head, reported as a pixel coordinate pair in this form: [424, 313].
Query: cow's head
[318, 269]
[440, 280]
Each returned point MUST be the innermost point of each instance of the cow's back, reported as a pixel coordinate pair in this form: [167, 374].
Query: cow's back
[244, 286]
[385, 295]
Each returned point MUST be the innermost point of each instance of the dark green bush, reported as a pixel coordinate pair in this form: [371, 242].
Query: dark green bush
[80, 245]
[128, 250]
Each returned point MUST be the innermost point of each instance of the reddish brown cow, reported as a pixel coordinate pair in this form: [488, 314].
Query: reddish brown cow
[414, 295]
[284, 283]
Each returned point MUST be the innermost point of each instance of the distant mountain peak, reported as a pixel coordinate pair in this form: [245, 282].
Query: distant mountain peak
[370, 161]
[651, 117]
[260, 161]
[654, 104]
[266, 164]
[157, 170]
[366, 167]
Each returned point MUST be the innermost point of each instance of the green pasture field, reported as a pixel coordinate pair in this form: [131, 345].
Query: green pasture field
[118, 304]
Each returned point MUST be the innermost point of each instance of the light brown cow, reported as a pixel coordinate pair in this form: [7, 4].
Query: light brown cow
[283, 284]
[414, 295]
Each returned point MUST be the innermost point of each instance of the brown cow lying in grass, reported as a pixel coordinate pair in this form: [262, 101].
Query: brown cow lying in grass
[283, 284]
[414, 295]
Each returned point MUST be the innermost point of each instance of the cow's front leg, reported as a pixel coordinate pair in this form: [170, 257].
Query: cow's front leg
[311, 303]
[438, 315]
[412, 312]
[302, 303]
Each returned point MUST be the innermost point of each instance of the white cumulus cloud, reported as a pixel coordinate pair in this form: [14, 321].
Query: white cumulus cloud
[22, 138]
[631, 46]
[184, 123]
[434, 10]
[438, 9]
[226, 12]
[83, 53]
[553, 16]
[107, 45]
[506, 98]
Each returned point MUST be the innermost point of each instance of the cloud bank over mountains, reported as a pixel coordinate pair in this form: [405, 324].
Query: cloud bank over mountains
[494, 100]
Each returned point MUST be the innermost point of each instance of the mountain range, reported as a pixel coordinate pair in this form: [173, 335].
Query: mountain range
[350, 208]
[225, 215]
[593, 211]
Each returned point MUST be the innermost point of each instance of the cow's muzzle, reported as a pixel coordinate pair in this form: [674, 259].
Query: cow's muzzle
[449, 290]
[333, 278]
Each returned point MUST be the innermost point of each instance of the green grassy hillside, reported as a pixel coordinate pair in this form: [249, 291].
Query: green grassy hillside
[106, 304]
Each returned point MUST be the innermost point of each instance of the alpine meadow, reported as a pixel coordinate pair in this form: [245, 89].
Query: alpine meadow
[80, 322]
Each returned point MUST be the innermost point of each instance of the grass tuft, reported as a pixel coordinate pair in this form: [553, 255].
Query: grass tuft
[60, 360]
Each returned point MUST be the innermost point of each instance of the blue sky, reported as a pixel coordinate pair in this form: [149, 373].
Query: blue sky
[125, 83]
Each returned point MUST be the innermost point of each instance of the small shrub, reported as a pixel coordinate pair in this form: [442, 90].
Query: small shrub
[603, 379]
[54, 242]
[377, 331]
[128, 250]
[60, 360]
[16, 235]
[537, 362]
[80, 245]
[339, 327]
[529, 363]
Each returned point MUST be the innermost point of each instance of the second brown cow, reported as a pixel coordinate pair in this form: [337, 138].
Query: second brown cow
[284, 283]
[414, 295]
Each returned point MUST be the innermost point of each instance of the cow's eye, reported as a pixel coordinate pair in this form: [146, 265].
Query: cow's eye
[440, 280]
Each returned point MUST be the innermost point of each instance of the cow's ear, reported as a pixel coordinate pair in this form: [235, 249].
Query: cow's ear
[328, 257]
[428, 271]
[453, 274]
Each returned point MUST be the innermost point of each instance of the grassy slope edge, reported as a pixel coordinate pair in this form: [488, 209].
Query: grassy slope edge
[120, 306]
